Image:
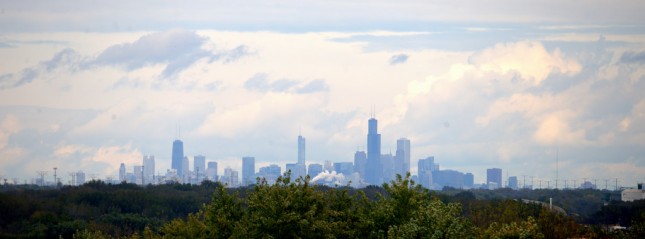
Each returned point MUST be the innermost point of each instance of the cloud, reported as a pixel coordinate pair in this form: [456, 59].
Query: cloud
[177, 48]
[9, 125]
[555, 129]
[67, 60]
[313, 86]
[260, 82]
[528, 59]
[633, 57]
[398, 59]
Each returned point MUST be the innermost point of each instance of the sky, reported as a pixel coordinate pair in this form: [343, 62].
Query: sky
[531, 87]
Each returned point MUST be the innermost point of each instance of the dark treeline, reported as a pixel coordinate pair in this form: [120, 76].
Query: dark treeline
[292, 209]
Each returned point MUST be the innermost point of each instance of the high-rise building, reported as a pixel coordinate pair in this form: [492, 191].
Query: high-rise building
[297, 170]
[425, 168]
[402, 157]
[373, 169]
[314, 170]
[270, 173]
[148, 168]
[248, 171]
[138, 174]
[512, 182]
[346, 168]
[494, 178]
[469, 180]
[328, 166]
[301, 150]
[360, 162]
[80, 178]
[449, 178]
[186, 170]
[230, 177]
[122, 175]
[178, 157]
[387, 162]
[211, 172]
[199, 166]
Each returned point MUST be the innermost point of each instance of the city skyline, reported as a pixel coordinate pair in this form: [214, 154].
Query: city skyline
[533, 88]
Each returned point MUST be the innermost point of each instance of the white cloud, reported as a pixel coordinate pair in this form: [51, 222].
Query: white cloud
[529, 59]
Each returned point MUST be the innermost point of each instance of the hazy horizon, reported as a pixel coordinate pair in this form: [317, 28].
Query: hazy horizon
[88, 85]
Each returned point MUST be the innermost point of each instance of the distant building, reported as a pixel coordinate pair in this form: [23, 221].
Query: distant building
[425, 169]
[297, 170]
[329, 166]
[512, 182]
[230, 177]
[199, 166]
[211, 171]
[301, 150]
[138, 174]
[270, 173]
[185, 175]
[587, 185]
[178, 157]
[494, 178]
[346, 168]
[469, 180]
[122, 173]
[402, 157]
[248, 171]
[360, 161]
[374, 169]
[630, 195]
[388, 166]
[314, 170]
[449, 178]
[80, 178]
[149, 168]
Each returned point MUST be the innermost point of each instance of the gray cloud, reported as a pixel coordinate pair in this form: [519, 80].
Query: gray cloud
[398, 59]
[313, 86]
[179, 48]
[260, 82]
[633, 57]
[67, 58]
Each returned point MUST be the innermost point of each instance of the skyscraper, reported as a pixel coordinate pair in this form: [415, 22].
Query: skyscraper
[494, 178]
[122, 175]
[402, 157]
[512, 182]
[148, 168]
[248, 170]
[178, 157]
[301, 150]
[212, 171]
[387, 163]
[360, 162]
[374, 169]
[425, 168]
[315, 169]
[199, 165]
[346, 168]
[186, 170]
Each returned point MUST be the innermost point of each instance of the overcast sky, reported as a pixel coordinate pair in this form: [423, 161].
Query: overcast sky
[87, 85]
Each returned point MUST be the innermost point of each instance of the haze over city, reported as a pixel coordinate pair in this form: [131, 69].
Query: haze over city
[501, 84]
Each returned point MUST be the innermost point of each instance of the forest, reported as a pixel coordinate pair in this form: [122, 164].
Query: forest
[298, 209]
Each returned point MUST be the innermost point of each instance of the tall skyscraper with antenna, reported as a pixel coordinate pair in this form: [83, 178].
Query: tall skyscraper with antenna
[374, 169]
[301, 150]
[178, 155]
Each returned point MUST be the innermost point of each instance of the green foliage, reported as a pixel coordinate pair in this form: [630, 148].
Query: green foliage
[523, 230]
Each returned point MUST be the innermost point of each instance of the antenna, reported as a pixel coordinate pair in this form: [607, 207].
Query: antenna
[557, 166]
